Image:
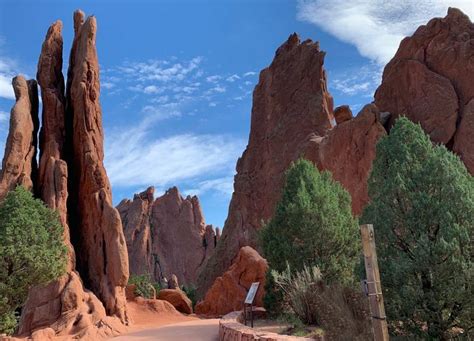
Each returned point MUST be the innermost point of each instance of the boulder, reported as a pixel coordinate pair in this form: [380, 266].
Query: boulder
[19, 165]
[342, 114]
[178, 299]
[429, 80]
[166, 236]
[173, 282]
[228, 292]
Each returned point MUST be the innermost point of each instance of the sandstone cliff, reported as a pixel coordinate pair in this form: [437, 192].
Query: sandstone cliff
[166, 236]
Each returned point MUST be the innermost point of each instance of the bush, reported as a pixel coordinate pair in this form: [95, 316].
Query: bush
[144, 285]
[273, 301]
[341, 312]
[299, 291]
[32, 251]
[190, 291]
[313, 225]
[422, 208]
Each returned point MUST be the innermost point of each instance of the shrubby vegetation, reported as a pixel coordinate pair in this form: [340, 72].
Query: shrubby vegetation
[32, 251]
[312, 226]
[191, 292]
[144, 285]
[422, 208]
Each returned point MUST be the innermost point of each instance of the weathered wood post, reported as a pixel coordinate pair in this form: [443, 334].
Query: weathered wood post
[379, 320]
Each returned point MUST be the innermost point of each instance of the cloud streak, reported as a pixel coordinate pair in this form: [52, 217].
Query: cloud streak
[375, 27]
[134, 158]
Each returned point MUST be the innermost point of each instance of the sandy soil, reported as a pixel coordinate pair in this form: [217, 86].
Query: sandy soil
[195, 330]
[157, 320]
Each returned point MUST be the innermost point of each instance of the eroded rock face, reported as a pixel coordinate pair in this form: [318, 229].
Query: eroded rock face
[342, 114]
[167, 236]
[52, 176]
[178, 299]
[95, 224]
[19, 165]
[69, 310]
[347, 151]
[429, 80]
[228, 292]
[290, 102]
[65, 307]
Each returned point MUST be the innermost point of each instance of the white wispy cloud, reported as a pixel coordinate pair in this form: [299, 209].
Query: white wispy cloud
[161, 70]
[250, 73]
[4, 116]
[7, 72]
[224, 185]
[213, 78]
[167, 161]
[233, 78]
[360, 81]
[375, 27]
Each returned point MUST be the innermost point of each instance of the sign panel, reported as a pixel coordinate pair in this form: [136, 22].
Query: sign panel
[252, 292]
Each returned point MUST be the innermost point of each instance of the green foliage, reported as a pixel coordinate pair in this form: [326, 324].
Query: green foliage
[32, 251]
[313, 225]
[190, 291]
[422, 208]
[299, 291]
[273, 301]
[144, 285]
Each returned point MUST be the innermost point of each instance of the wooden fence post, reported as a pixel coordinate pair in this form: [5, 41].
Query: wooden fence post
[379, 320]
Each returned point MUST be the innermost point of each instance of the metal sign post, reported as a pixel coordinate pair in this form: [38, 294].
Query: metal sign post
[373, 286]
[249, 302]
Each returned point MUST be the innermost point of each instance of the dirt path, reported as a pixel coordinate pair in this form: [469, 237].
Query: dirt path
[196, 330]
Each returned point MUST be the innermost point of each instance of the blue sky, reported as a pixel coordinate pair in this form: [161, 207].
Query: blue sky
[177, 76]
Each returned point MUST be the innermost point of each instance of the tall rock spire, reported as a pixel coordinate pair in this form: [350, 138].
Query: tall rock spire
[71, 139]
[19, 165]
[95, 224]
[290, 102]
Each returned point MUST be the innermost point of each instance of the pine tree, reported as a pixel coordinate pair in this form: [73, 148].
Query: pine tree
[422, 208]
[32, 251]
[313, 226]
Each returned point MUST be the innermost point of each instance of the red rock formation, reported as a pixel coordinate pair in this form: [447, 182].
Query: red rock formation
[178, 299]
[290, 102]
[95, 224]
[65, 307]
[19, 161]
[429, 80]
[166, 236]
[229, 291]
[347, 151]
[52, 175]
[342, 114]
[136, 227]
[69, 310]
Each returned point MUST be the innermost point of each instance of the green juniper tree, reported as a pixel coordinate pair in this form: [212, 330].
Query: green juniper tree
[313, 225]
[32, 251]
[422, 208]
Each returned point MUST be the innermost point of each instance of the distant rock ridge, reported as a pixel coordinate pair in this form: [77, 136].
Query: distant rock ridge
[70, 179]
[167, 236]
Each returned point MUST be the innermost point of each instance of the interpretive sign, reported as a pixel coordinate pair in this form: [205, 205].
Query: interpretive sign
[252, 292]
